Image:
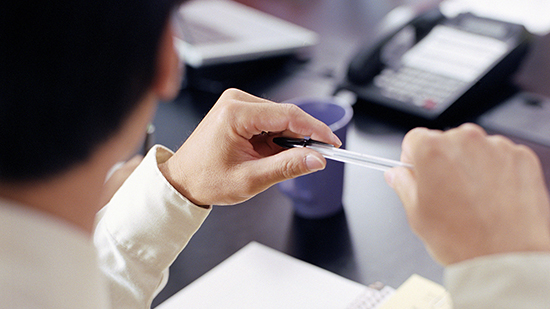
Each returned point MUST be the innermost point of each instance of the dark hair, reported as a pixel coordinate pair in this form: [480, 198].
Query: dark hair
[70, 72]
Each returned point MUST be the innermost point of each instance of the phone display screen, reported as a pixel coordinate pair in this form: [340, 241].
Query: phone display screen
[454, 53]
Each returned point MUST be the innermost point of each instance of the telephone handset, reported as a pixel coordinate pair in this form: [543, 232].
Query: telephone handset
[437, 71]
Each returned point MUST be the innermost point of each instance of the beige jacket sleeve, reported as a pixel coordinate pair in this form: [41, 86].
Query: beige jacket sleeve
[515, 280]
[141, 231]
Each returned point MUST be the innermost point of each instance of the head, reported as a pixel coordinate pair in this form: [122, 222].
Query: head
[71, 72]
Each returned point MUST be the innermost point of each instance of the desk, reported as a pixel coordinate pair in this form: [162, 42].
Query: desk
[371, 241]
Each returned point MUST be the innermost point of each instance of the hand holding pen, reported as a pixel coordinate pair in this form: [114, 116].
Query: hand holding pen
[227, 159]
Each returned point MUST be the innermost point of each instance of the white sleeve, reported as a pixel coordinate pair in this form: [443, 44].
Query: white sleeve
[514, 280]
[141, 231]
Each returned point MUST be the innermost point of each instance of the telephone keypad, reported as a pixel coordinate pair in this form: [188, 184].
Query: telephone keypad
[418, 87]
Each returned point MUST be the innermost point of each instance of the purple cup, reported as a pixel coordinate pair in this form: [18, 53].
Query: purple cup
[319, 195]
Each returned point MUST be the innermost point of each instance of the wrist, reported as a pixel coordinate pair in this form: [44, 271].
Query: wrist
[177, 180]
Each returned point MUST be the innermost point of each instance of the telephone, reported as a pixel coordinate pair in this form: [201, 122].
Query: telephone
[436, 71]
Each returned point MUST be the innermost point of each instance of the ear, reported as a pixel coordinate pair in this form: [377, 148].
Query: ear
[169, 68]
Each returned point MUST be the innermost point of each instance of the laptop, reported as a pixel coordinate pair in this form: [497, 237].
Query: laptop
[222, 31]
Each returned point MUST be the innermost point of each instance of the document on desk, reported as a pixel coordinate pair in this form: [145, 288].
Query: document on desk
[260, 277]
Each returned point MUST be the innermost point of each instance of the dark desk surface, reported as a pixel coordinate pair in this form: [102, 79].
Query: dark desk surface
[371, 241]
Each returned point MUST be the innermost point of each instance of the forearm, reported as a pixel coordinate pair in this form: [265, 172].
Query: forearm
[141, 232]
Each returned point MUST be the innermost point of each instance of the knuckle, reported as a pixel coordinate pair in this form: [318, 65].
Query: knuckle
[291, 109]
[526, 154]
[502, 141]
[292, 169]
[287, 170]
[472, 132]
[526, 151]
[502, 145]
[228, 109]
[232, 93]
[470, 127]
[230, 100]
[518, 152]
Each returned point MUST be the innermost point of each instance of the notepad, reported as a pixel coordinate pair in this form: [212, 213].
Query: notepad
[260, 277]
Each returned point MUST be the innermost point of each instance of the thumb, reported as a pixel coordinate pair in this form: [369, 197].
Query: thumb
[286, 165]
[401, 179]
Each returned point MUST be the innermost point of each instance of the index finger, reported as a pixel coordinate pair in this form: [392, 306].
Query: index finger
[302, 123]
[282, 117]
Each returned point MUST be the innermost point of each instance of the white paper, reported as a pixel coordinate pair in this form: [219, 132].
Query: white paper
[260, 277]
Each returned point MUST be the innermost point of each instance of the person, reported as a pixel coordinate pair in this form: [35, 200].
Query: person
[480, 204]
[79, 83]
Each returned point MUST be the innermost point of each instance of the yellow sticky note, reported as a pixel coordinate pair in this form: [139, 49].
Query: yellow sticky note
[419, 293]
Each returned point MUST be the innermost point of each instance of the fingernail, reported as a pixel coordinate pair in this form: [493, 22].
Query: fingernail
[314, 164]
[336, 140]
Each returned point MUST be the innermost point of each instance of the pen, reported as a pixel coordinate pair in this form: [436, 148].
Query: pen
[330, 152]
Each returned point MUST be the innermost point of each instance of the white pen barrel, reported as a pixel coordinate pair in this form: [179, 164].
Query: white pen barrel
[347, 156]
